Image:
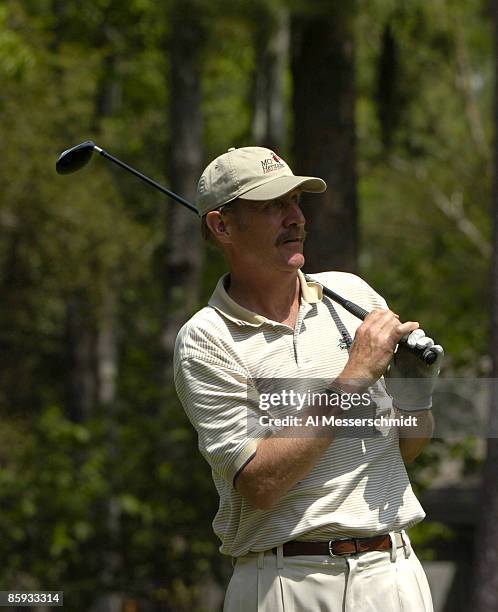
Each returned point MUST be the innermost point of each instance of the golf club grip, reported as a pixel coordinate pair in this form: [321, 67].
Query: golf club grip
[428, 354]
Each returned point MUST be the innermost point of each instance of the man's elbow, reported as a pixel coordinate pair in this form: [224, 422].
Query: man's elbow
[255, 493]
[409, 457]
[410, 449]
[258, 498]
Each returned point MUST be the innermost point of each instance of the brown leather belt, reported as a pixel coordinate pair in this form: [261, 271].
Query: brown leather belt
[337, 548]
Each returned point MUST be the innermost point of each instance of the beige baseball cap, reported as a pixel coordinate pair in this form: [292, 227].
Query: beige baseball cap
[249, 173]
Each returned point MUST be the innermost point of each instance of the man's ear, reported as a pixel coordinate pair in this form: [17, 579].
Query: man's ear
[217, 226]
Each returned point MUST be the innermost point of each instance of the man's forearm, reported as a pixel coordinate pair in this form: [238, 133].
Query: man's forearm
[284, 459]
[412, 439]
[278, 464]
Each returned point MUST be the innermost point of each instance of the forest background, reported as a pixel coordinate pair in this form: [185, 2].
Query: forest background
[103, 492]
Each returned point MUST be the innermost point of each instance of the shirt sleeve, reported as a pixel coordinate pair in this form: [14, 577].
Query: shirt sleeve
[222, 406]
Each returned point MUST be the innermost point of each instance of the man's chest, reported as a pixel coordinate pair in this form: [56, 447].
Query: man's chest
[315, 348]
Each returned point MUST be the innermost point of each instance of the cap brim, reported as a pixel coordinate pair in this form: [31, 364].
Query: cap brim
[282, 185]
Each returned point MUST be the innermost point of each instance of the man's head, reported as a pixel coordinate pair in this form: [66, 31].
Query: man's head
[248, 199]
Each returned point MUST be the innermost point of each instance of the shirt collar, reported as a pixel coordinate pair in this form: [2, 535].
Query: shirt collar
[311, 292]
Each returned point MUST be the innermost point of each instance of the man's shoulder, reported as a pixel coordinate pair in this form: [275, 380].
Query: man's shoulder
[200, 333]
[352, 287]
[339, 279]
[204, 323]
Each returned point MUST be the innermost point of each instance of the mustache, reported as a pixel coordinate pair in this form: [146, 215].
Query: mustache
[295, 234]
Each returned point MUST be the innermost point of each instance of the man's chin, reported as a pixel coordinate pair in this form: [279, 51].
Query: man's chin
[296, 261]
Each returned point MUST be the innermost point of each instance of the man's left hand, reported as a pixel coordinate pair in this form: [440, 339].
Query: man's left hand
[409, 380]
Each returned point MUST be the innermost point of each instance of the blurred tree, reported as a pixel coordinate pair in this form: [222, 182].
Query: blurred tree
[81, 382]
[485, 585]
[183, 247]
[271, 44]
[323, 70]
[388, 100]
[430, 191]
[91, 332]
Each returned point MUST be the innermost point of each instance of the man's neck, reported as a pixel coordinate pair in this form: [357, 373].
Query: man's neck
[276, 297]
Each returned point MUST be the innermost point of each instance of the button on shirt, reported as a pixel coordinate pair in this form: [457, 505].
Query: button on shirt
[359, 487]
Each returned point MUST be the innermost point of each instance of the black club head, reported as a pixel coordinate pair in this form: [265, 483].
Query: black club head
[75, 158]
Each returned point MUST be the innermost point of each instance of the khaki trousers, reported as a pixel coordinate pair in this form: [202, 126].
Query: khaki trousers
[378, 581]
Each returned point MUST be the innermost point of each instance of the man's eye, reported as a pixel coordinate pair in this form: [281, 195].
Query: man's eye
[271, 205]
[278, 204]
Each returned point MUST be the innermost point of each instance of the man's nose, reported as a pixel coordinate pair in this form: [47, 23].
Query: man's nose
[294, 215]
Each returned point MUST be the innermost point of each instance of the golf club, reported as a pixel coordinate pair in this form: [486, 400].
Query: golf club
[73, 159]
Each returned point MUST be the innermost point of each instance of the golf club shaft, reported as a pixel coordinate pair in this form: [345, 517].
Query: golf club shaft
[351, 307]
[145, 178]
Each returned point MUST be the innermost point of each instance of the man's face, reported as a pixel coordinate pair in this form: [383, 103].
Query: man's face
[268, 234]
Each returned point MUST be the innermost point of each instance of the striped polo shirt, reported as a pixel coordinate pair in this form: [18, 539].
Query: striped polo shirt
[359, 487]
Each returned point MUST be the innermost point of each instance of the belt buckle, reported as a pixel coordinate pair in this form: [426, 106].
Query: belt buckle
[332, 542]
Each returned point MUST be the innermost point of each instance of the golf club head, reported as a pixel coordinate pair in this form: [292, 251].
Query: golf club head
[74, 158]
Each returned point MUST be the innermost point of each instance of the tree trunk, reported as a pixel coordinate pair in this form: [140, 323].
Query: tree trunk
[91, 333]
[80, 375]
[271, 41]
[485, 588]
[324, 132]
[387, 95]
[184, 248]
[58, 11]
[108, 103]
[106, 348]
[80, 346]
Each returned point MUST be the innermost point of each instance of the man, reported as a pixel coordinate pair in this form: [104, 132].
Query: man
[313, 518]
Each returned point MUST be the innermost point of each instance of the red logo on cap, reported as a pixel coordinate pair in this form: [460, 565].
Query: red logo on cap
[270, 164]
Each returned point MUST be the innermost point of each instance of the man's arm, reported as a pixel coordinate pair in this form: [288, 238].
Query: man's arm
[280, 462]
[412, 439]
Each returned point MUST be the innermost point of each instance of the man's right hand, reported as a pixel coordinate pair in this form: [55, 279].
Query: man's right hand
[373, 348]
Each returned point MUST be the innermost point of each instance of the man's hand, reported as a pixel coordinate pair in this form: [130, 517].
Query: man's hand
[373, 348]
[409, 380]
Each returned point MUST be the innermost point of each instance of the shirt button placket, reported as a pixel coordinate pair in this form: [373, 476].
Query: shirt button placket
[295, 337]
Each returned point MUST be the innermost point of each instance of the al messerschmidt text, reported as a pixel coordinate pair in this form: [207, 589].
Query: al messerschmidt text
[333, 421]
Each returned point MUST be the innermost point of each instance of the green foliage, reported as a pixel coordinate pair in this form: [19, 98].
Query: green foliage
[423, 534]
[111, 504]
[226, 87]
[16, 58]
[425, 202]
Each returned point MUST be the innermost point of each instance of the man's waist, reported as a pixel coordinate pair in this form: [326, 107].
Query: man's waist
[343, 546]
